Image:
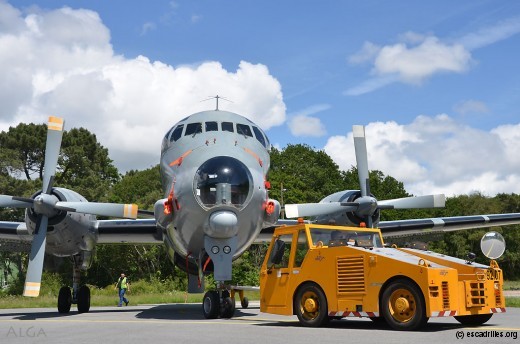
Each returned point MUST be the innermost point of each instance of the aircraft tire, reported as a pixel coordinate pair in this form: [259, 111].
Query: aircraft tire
[228, 307]
[83, 299]
[211, 304]
[64, 300]
[244, 302]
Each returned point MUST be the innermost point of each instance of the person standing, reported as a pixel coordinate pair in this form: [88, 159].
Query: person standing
[123, 286]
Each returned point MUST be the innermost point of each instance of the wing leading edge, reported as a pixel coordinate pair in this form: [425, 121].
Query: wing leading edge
[144, 231]
[405, 228]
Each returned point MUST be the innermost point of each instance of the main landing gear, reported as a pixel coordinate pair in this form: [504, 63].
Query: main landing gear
[221, 303]
[79, 295]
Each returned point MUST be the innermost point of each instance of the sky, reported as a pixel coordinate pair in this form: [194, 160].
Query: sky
[436, 83]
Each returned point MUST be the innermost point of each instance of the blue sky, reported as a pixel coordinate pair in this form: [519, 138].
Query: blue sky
[435, 82]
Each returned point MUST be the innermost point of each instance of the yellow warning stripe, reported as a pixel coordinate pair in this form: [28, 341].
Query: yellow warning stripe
[55, 123]
[31, 289]
[130, 211]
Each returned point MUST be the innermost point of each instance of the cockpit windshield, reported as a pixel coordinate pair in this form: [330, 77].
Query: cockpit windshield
[343, 237]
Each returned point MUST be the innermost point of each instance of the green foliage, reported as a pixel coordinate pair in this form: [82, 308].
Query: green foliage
[307, 175]
[84, 165]
[140, 187]
[23, 147]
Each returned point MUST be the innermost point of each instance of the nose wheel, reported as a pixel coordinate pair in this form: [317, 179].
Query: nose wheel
[215, 304]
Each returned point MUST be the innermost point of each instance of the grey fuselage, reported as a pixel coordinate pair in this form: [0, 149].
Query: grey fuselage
[213, 170]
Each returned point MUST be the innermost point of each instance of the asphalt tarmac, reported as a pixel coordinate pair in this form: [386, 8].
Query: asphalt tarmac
[184, 323]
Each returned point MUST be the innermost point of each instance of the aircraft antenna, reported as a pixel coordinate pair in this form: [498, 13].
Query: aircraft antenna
[217, 97]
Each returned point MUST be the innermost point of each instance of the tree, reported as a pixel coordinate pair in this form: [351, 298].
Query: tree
[23, 147]
[140, 187]
[83, 165]
[305, 174]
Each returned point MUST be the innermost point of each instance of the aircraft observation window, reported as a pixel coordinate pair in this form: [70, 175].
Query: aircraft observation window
[259, 136]
[193, 129]
[177, 132]
[211, 126]
[244, 129]
[227, 126]
[223, 181]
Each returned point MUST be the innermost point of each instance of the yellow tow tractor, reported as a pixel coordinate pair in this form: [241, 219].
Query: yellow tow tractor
[323, 272]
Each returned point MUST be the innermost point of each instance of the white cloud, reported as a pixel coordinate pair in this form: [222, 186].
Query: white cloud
[417, 57]
[414, 64]
[303, 124]
[471, 106]
[61, 62]
[367, 53]
[438, 155]
[491, 34]
[147, 27]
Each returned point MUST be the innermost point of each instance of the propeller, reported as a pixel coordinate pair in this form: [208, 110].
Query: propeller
[46, 205]
[52, 151]
[366, 205]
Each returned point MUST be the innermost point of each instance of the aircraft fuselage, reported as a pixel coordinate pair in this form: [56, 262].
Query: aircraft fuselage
[213, 170]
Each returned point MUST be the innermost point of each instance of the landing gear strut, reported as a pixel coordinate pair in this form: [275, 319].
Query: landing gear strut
[79, 295]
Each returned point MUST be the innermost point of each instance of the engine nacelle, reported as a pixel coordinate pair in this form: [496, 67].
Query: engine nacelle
[67, 233]
[347, 218]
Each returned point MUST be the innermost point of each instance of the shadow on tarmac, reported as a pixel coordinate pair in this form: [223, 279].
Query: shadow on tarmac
[185, 311]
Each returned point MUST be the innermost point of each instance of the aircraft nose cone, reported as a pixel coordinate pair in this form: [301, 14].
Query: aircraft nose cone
[222, 224]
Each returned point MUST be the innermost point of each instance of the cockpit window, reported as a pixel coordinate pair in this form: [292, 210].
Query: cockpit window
[211, 126]
[244, 129]
[259, 136]
[227, 126]
[168, 133]
[193, 129]
[177, 132]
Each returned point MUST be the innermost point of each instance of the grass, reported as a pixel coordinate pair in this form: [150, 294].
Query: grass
[511, 285]
[109, 297]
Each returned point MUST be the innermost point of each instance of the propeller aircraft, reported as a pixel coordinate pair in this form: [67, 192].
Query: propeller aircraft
[214, 167]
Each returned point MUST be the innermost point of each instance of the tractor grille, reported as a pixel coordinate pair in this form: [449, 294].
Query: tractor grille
[351, 274]
[445, 295]
[475, 294]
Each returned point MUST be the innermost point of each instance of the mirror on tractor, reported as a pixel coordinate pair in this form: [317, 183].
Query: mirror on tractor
[276, 254]
[493, 245]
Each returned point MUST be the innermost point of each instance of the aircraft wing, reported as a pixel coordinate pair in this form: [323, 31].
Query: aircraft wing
[141, 231]
[405, 228]
[14, 237]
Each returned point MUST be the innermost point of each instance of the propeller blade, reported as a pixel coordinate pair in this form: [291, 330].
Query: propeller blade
[14, 202]
[52, 151]
[316, 209]
[429, 201]
[360, 146]
[127, 211]
[34, 271]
